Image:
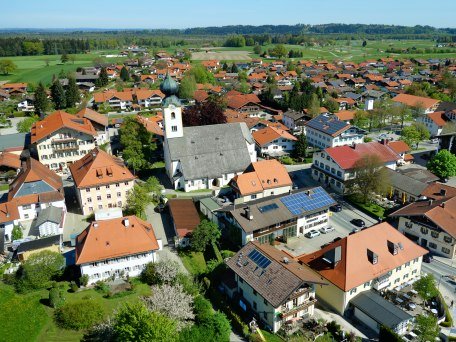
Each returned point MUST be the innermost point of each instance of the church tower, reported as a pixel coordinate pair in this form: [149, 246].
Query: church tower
[172, 109]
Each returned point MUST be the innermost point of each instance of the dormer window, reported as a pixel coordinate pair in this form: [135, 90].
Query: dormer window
[173, 115]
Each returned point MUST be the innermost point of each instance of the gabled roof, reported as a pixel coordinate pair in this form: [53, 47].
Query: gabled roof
[35, 179]
[238, 101]
[345, 115]
[354, 267]
[347, 156]
[276, 281]
[185, 216]
[115, 238]
[8, 212]
[10, 160]
[58, 120]
[94, 116]
[412, 100]
[98, 167]
[399, 146]
[268, 134]
[49, 214]
[439, 118]
[261, 175]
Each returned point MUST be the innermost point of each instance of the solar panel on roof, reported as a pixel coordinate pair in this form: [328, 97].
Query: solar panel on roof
[259, 259]
[318, 198]
[268, 207]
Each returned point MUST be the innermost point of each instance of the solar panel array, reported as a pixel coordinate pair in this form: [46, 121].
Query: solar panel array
[326, 124]
[259, 259]
[268, 207]
[299, 202]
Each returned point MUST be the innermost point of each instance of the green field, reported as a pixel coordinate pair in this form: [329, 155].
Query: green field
[26, 317]
[33, 69]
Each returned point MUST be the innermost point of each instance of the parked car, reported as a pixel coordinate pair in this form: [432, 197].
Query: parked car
[326, 230]
[434, 141]
[427, 258]
[313, 233]
[358, 222]
[160, 208]
[336, 208]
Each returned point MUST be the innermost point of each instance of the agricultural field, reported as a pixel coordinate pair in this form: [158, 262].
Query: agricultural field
[221, 55]
[34, 69]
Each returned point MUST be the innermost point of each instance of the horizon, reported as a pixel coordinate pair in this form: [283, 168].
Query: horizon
[85, 14]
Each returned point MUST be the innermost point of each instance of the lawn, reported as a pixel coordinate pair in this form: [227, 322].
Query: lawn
[33, 69]
[371, 209]
[194, 262]
[27, 318]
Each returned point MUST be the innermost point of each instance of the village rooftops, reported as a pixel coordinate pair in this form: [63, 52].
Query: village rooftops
[416, 101]
[271, 272]
[269, 134]
[328, 124]
[363, 256]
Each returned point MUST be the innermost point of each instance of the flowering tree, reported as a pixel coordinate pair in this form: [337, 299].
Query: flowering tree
[173, 302]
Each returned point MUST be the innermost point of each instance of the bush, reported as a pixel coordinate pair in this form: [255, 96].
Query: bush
[287, 160]
[367, 139]
[79, 315]
[101, 287]
[202, 309]
[84, 280]
[227, 254]
[74, 287]
[56, 298]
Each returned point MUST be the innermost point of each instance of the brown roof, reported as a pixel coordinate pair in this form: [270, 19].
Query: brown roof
[98, 167]
[345, 115]
[412, 100]
[238, 101]
[94, 116]
[58, 120]
[109, 239]
[438, 118]
[106, 96]
[184, 214]
[268, 134]
[8, 211]
[439, 191]
[354, 267]
[34, 171]
[10, 160]
[277, 281]
[398, 146]
[261, 175]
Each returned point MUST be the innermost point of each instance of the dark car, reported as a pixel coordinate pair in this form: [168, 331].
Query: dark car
[160, 208]
[358, 222]
[427, 258]
[336, 208]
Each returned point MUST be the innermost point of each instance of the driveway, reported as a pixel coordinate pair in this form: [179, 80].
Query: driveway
[162, 224]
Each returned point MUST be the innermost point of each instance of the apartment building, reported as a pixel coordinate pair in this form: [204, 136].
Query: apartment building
[335, 165]
[271, 286]
[60, 139]
[116, 248]
[101, 181]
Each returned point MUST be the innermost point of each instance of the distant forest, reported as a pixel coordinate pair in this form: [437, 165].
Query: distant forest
[25, 42]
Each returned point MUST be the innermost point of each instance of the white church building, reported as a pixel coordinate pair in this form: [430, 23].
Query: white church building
[202, 157]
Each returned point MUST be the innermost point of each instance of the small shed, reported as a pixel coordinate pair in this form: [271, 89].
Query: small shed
[185, 219]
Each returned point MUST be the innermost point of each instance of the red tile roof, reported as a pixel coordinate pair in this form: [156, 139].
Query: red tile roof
[412, 100]
[268, 134]
[185, 216]
[238, 101]
[438, 118]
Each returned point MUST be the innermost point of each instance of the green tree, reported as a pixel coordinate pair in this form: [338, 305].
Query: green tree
[313, 108]
[154, 186]
[16, 233]
[443, 164]
[427, 327]
[39, 269]
[257, 49]
[137, 200]
[187, 87]
[279, 51]
[64, 58]
[403, 112]
[300, 148]
[134, 323]
[370, 178]
[124, 75]
[360, 119]
[25, 125]
[72, 94]
[426, 288]
[58, 95]
[411, 136]
[201, 74]
[244, 87]
[56, 298]
[41, 99]
[205, 233]
[422, 131]
[7, 66]
[331, 104]
[78, 315]
[388, 335]
[103, 80]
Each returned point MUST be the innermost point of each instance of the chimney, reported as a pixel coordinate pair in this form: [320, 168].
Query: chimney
[430, 202]
[126, 222]
[285, 260]
[248, 213]
[95, 225]
[442, 205]
[443, 192]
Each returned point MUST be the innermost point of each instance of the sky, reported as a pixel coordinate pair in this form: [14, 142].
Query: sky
[120, 14]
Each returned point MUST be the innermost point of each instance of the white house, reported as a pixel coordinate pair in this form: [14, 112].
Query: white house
[328, 131]
[274, 142]
[434, 122]
[26, 105]
[115, 248]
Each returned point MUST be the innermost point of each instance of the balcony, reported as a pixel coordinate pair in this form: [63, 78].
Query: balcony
[268, 230]
[65, 148]
[63, 140]
[287, 312]
[382, 282]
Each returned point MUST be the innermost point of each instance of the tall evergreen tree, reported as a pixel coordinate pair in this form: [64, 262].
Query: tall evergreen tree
[124, 75]
[103, 77]
[58, 95]
[41, 100]
[64, 58]
[72, 92]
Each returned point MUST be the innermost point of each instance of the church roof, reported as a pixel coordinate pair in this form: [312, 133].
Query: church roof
[211, 151]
